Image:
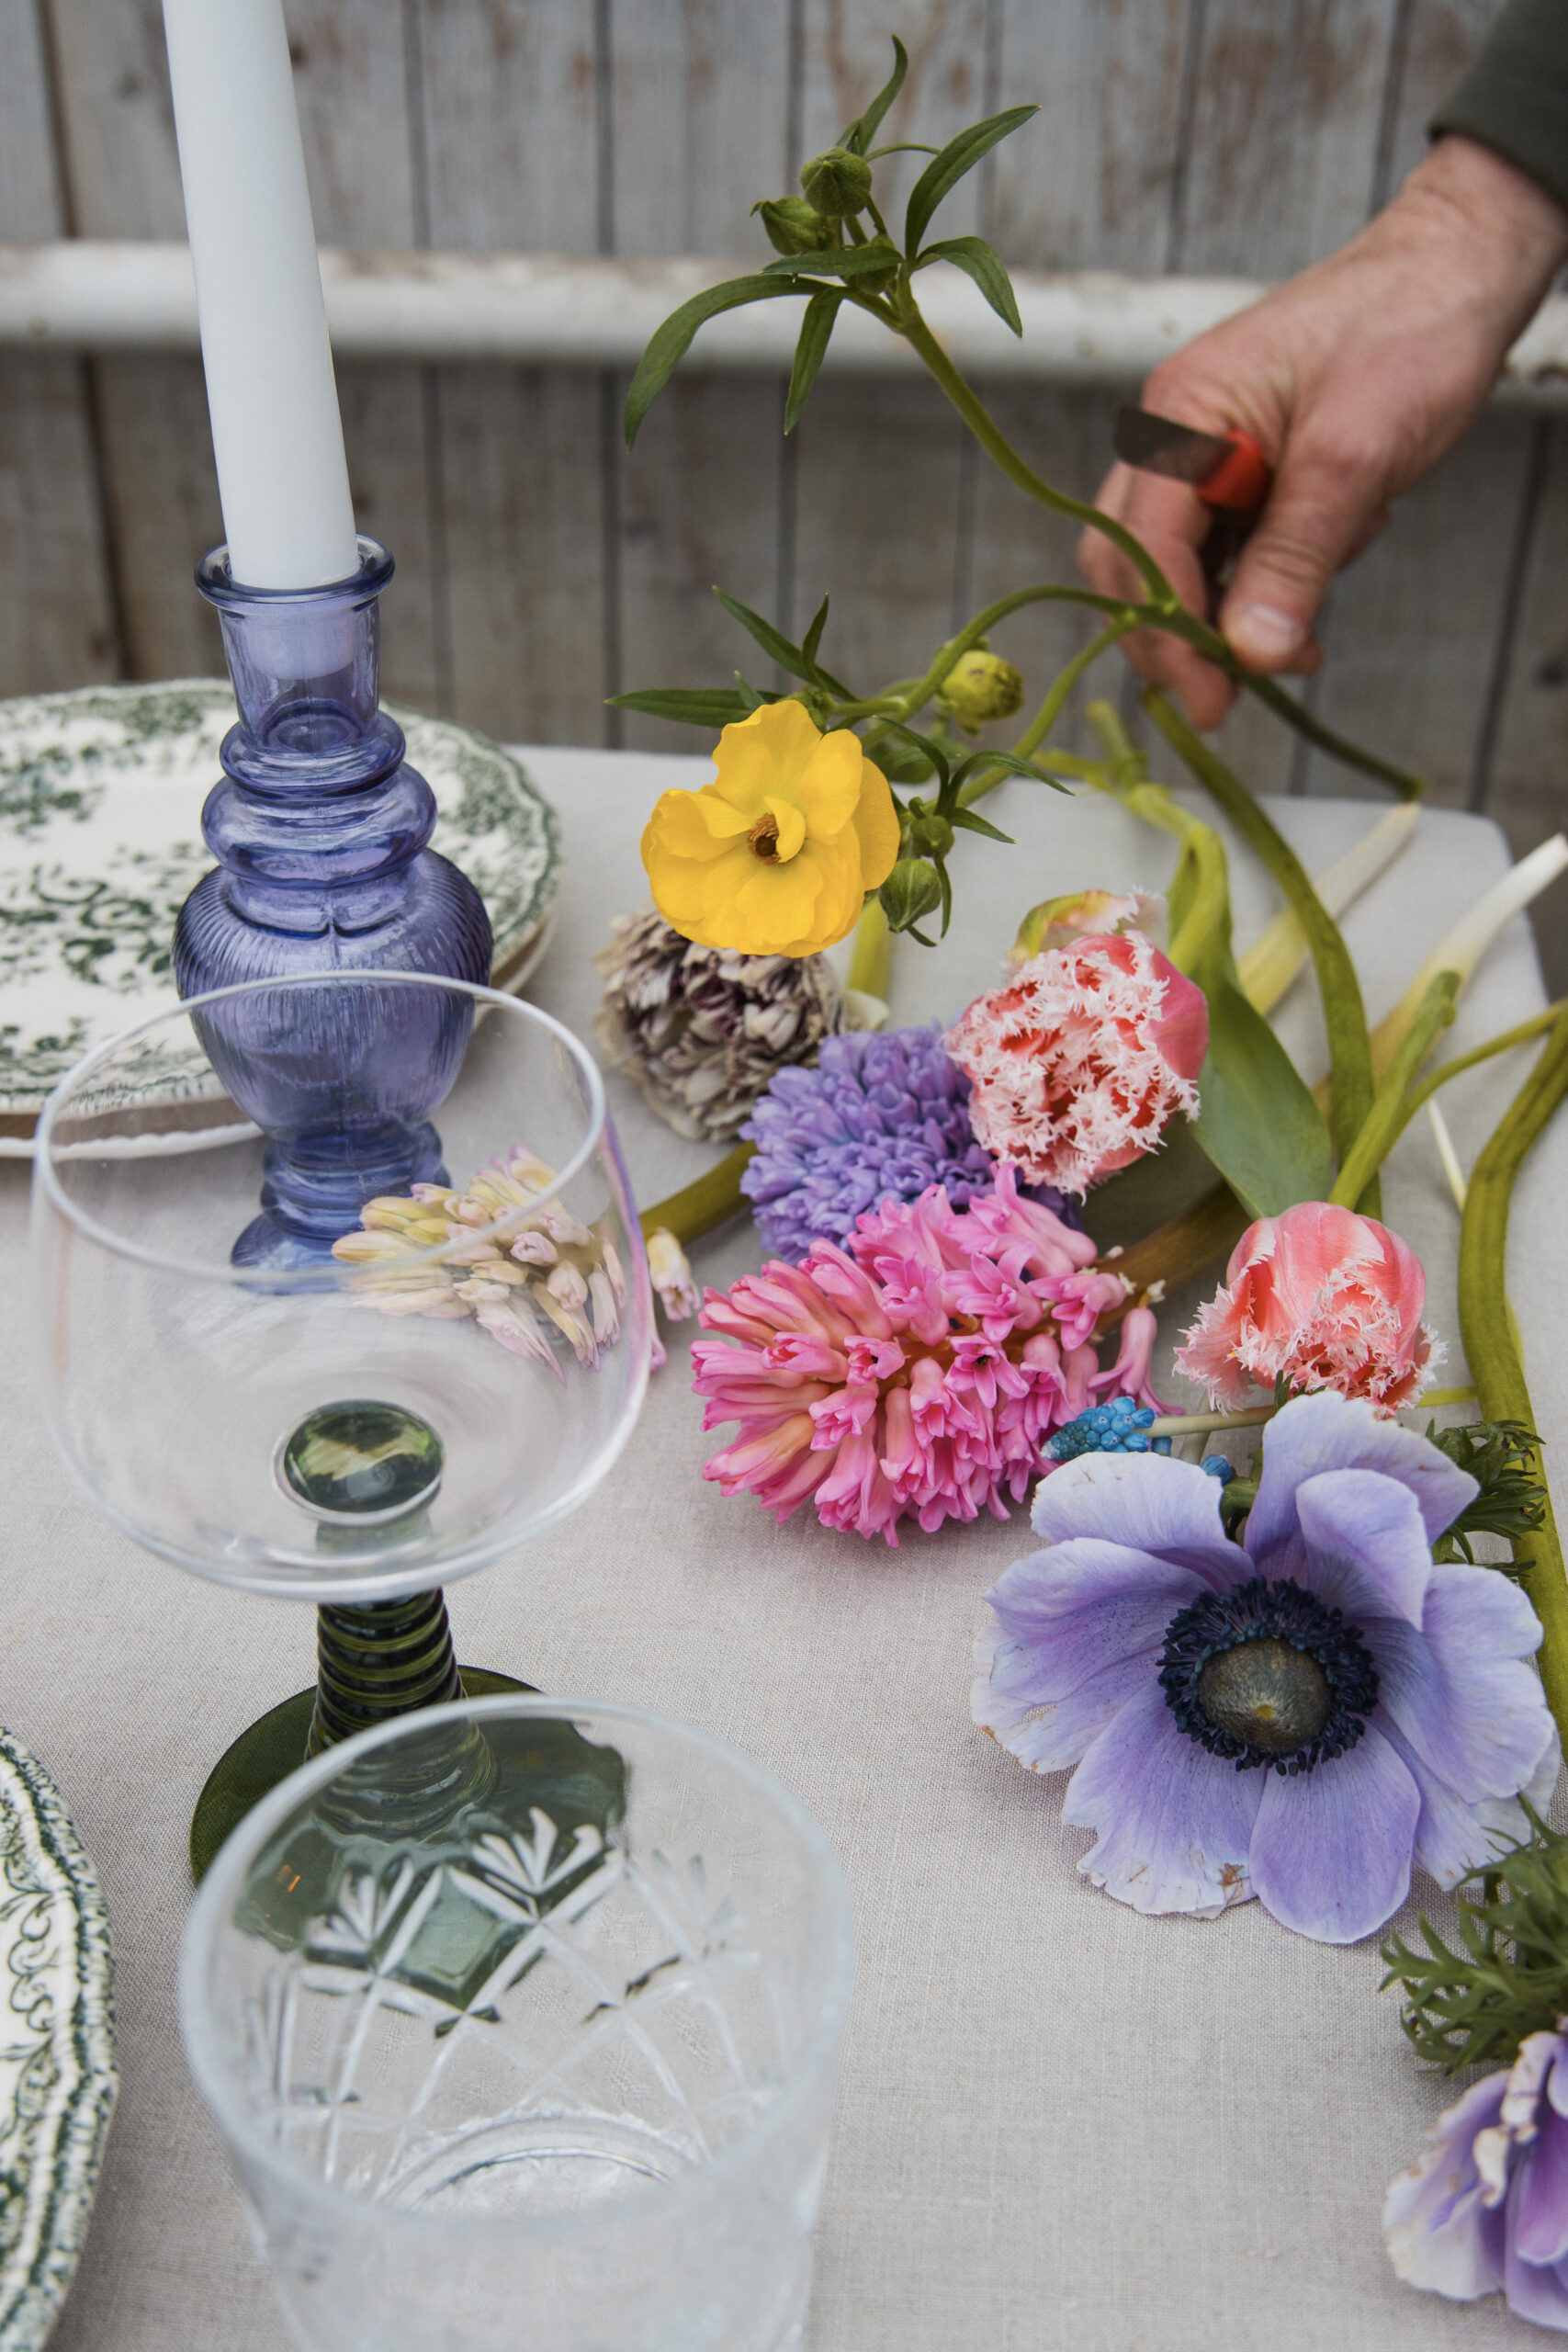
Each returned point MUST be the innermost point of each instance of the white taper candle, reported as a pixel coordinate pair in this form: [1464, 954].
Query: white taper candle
[277, 434]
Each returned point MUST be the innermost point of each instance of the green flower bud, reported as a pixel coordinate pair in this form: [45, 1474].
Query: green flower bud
[980, 688]
[911, 891]
[932, 836]
[793, 226]
[838, 183]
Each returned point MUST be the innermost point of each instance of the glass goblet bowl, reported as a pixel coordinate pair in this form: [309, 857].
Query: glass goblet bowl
[435, 1375]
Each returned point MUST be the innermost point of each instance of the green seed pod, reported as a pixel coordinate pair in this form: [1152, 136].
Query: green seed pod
[793, 226]
[838, 183]
[911, 891]
[979, 688]
[932, 836]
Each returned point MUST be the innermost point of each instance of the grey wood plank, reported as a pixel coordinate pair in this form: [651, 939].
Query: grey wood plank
[162, 496]
[877, 525]
[1440, 37]
[509, 96]
[1412, 630]
[57, 614]
[525, 551]
[1283, 154]
[1088, 184]
[699, 507]
[700, 94]
[118, 122]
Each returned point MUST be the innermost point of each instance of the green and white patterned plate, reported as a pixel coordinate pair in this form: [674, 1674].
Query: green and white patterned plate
[58, 2075]
[100, 841]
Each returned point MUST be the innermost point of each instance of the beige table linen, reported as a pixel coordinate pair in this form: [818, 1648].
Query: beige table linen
[1061, 2125]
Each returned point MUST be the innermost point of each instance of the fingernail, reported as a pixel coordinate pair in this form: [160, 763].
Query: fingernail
[1263, 631]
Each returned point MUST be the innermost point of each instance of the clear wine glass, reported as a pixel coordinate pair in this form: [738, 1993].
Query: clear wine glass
[422, 1381]
[555, 2069]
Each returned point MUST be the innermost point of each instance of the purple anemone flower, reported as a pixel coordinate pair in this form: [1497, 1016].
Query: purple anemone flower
[1294, 1718]
[1486, 2204]
[882, 1113]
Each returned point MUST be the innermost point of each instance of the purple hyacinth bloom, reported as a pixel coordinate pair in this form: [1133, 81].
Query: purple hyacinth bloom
[1296, 1717]
[882, 1113]
[1486, 2204]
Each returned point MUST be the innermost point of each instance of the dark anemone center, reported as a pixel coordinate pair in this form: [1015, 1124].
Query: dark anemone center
[1268, 1675]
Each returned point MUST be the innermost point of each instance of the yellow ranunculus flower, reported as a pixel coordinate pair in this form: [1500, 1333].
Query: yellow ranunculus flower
[775, 857]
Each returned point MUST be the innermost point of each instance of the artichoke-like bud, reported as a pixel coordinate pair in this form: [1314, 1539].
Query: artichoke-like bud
[911, 891]
[980, 688]
[700, 1031]
[793, 226]
[837, 183]
[932, 836]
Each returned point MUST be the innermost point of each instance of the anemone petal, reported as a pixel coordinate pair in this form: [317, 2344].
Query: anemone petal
[1173, 1821]
[1367, 1552]
[1046, 1733]
[1165, 1508]
[1327, 1431]
[1468, 1703]
[1439, 2234]
[1331, 1850]
[1535, 2291]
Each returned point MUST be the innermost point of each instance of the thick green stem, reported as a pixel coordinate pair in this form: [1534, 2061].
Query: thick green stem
[1493, 1351]
[1385, 1120]
[871, 961]
[712, 1200]
[1349, 1043]
[999, 449]
[1520, 1035]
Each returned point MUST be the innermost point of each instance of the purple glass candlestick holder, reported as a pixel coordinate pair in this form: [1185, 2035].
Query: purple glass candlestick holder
[322, 834]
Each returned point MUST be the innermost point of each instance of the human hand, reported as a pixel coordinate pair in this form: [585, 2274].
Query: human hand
[1356, 378]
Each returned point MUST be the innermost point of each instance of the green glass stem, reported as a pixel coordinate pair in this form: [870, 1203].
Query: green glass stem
[378, 1659]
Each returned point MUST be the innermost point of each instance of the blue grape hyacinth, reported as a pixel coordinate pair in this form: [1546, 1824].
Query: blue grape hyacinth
[882, 1113]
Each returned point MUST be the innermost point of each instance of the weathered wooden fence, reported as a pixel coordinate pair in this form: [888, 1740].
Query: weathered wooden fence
[540, 569]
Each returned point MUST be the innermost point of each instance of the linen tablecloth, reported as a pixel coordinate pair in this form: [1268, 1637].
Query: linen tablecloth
[1061, 2125]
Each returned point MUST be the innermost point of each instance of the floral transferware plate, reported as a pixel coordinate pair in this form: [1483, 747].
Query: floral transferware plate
[58, 2075]
[100, 841]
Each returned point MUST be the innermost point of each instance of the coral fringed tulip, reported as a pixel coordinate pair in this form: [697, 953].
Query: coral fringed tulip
[1486, 2204]
[776, 855]
[919, 1377]
[1323, 1298]
[1082, 1061]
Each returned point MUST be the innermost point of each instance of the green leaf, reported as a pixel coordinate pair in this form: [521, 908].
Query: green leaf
[861, 133]
[810, 352]
[981, 262]
[668, 344]
[1255, 1119]
[966, 819]
[1010, 763]
[688, 705]
[869, 260]
[752, 697]
[932, 750]
[813, 638]
[960, 155]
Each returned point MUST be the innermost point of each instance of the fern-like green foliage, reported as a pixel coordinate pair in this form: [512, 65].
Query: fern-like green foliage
[1473, 2008]
[1512, 1501]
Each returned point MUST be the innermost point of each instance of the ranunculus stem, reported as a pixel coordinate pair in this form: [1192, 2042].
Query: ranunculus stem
[1385, 1121]
[870, 959]
[1349, 1046]
[1491, 1349]
[713, 1199]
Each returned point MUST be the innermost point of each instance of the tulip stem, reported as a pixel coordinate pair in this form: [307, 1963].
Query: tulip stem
[870, 959]
[1385, 1121]
[1196, 1424]
[1492, 1347]
[712, 1200]
[1345, 1015]
[1206, 1230]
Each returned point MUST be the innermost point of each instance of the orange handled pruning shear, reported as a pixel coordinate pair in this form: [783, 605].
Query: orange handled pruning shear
[1228, 471]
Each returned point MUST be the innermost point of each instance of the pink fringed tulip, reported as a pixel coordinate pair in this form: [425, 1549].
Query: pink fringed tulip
[919, 1377]
[1322, 1296]
[1079, 1063]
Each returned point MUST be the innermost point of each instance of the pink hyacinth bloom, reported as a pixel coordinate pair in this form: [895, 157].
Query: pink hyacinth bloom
[918, 1378]
[1328, 1299]
[1130, 1374]
[1079, 1063]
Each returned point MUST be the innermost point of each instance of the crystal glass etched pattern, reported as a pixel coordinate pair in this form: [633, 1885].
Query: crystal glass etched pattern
[521, 2075]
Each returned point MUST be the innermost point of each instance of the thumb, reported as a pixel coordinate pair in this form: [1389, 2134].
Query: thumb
[1319, 511]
